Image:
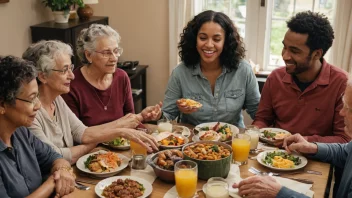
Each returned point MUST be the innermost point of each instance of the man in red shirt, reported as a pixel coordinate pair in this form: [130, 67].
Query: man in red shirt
[305, 96]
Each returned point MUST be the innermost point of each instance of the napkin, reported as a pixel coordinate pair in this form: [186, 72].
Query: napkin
[147, 174]
[296, 186]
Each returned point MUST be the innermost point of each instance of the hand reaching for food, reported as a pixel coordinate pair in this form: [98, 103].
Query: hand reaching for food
[188, 106]
[128, 121]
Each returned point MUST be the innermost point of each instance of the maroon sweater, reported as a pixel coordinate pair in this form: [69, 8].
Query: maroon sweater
[88, 102]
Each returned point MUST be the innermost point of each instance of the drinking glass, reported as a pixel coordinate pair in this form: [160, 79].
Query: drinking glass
[186, 174]
[164, 125]
[254, 132]
[217, 187]
[139, 156]
[240, 146]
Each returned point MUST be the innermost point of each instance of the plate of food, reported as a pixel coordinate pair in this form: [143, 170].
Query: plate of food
[224, 129]
[169, 140]
[189, 103]
[281, 160]
[269, 135]
[102, 163]
[123, 186]
[119, 143]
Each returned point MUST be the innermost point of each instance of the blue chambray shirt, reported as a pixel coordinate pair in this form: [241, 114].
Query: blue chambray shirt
[23, 165]
[234, 90]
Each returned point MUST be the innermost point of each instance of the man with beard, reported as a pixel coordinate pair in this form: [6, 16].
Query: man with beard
[305, 97]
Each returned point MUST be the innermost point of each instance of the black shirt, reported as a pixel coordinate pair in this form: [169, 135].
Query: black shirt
[301, 85]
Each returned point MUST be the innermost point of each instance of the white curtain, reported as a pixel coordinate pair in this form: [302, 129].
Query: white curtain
[180, 12]
[342, 46]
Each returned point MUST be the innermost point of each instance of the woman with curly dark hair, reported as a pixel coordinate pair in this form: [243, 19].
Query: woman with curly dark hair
[213, 73]
[24, 158]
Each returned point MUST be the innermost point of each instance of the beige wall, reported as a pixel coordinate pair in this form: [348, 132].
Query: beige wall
[15, 19]
[143, 26]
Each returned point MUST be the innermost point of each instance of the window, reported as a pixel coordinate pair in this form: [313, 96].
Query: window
[265, 26]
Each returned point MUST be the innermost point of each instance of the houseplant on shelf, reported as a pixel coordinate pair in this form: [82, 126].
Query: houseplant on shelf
[61, 8]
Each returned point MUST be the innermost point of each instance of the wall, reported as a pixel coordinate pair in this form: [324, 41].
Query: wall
[143, 26]
[15, 19]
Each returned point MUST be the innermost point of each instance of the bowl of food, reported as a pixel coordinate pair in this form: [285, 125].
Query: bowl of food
[213, 158]
[163, 164]
[168, 140]
[225, 130]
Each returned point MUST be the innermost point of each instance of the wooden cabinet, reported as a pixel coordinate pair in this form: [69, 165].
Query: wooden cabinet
[66, 32]
[138, 78]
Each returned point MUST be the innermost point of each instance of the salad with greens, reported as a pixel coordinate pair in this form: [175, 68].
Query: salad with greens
[119, 142]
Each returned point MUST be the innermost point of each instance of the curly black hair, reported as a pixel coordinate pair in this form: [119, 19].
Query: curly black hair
[14, 73]
[318, 28]
[233, 50]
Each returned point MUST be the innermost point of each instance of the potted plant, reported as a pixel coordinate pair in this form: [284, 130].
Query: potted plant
[61, 8]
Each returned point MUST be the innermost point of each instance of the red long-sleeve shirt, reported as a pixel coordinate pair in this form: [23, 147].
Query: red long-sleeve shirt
[313, 113]
[88, 103]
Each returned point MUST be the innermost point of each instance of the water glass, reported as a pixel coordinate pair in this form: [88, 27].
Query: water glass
[186, 177]
[240, 147]
[217, 187]
[164, 125]
[254, 132]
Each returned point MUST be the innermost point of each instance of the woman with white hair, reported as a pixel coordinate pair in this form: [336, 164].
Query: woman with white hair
[102, 92]
[55, 123]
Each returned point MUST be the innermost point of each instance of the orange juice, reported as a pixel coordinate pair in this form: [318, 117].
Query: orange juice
[240, 148]
[137, 148]
[186, 182]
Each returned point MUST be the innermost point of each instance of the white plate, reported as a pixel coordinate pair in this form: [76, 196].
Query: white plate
[106, 182]
[233, 128]
[80, 165]
[181, 130]
[122, 147]
[272, 130]
[262, 155]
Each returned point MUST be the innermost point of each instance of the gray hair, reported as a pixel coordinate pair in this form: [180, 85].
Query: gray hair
[88, 37]
[44, 54]
[349, 81]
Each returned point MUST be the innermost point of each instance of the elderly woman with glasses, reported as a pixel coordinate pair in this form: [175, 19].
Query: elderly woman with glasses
[102, 92]
[24, 159]
[55, 124]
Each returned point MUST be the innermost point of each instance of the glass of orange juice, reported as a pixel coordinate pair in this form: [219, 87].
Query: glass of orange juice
[186, 174]
[240, 146]
[137, 149]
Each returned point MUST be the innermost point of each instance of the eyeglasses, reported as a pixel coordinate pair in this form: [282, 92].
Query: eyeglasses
[33, 102]
[107, 53]
[66, 68]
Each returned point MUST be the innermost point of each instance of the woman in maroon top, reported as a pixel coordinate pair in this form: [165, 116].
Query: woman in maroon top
[101, 92]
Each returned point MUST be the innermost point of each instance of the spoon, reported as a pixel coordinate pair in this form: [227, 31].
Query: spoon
[81, 186]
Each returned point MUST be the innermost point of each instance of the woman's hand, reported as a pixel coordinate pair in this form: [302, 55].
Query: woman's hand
[151, 113]
[186, 109]
[258, 186]
[141, 138]
[128, 121]
[64, 182]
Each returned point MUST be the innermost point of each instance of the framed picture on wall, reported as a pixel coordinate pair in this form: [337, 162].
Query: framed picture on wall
[4, 1]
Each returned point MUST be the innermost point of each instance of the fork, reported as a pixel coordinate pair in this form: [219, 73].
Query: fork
[258, 172]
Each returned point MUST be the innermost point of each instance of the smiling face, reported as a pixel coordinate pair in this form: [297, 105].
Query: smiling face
[106, 65]
[58, 81]
[210, 42]
[296, 53]
[23, 113]
[346, 111]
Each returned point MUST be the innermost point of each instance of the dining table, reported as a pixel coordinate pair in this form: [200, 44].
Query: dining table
[321, 185]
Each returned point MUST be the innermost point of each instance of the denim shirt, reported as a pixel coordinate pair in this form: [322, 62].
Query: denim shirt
[23, 165]
[234, 90]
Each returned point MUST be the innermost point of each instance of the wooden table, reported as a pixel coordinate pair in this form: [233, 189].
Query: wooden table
[160, 188]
